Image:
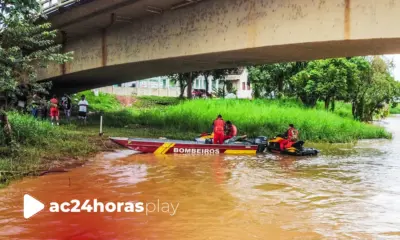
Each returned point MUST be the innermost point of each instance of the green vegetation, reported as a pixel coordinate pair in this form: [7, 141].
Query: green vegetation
[395, 110]
[153, 101]
[173, 118]
[365, 83]
[185, 81]
[335, 95]
[25, 46]
[102, 102]
[38, 146]
[35, 141]
[342, 109]
[259, 117]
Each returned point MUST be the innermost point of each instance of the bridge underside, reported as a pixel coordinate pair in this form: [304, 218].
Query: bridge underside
[220, 34]
[106, 76]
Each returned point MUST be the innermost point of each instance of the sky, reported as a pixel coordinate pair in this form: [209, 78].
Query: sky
[396, 60]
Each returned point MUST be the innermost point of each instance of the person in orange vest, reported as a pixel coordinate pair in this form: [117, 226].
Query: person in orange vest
[231, 131]
[292, 135]
[54, 113]
[219, 128]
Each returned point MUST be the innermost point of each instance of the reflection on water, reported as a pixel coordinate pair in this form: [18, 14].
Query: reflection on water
[348, 192]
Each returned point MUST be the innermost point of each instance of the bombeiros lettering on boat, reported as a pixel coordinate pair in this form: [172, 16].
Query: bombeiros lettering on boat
[196, 151]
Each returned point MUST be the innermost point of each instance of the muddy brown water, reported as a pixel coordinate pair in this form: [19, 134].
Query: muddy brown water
[347, 192]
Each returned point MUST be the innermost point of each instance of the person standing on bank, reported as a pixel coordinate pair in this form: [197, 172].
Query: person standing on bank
[67, 106]
[83, 109]
[35, 104]
[54, 112]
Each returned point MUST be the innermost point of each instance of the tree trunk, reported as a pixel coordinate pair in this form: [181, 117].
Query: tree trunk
[360, 110]
[223, 89]
[206, 79]
[280, 87]
[256, 91]
[5, 125]
[353, 109]
[327, 102]
[189, 86]
[309, 101]
[182, 87]
[333, 105]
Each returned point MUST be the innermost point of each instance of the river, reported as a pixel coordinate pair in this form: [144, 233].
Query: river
[347, 192]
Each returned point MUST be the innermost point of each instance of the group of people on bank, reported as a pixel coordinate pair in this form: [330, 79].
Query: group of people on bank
[40, 107]
[226, 131]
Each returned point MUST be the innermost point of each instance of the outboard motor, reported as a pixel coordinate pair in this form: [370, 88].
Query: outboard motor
[261, 142]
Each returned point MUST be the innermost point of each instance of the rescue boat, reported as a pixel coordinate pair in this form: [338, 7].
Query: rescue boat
[166, 146]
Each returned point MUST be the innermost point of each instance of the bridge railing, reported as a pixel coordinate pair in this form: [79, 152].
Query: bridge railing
[52, 5]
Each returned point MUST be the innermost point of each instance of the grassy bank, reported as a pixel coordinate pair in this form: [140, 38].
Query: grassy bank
[40, 146]
[257, 117]
[153, 101]
[102, 102]
[260, 117]
[37, 145]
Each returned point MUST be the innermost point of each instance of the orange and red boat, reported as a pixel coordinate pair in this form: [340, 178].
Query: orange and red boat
[162, 146]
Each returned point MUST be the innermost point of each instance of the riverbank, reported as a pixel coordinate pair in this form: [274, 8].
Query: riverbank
[252, 117]
[303, 198]
[39, 146]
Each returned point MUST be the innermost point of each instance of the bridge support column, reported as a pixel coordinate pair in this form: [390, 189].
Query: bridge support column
[104, 52]
[104, 47]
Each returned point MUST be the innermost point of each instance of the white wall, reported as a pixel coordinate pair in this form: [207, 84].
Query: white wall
[244, 93]
[156, 87]
[129, 91]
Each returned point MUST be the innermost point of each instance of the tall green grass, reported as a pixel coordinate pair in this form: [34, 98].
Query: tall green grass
[260, 117]
[102, 102]
[342, 109]
[155, 101]
[34, 141]
[395, 110]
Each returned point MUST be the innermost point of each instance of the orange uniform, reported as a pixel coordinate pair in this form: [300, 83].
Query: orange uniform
[292, 137]
[232, 132]
[54, 107]
[219, 127]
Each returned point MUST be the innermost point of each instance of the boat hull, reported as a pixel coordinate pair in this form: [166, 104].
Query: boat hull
[156, 146]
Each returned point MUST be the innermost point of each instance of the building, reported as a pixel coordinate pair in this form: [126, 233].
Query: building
[237, 83]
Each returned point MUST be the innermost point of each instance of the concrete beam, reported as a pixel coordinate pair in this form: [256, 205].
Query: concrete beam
[227, 33]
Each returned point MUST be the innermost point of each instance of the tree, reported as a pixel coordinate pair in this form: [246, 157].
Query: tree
[185, 80]
[306, 85]
[326, 80]
[273, 79]
[373, 86]
[179, 78]
[190, 77]
[25, 46]
[13, 7]
[206, 74]
[220, 74]
[336, 74]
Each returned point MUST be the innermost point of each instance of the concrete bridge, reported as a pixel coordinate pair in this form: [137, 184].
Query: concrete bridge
[124, 40]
